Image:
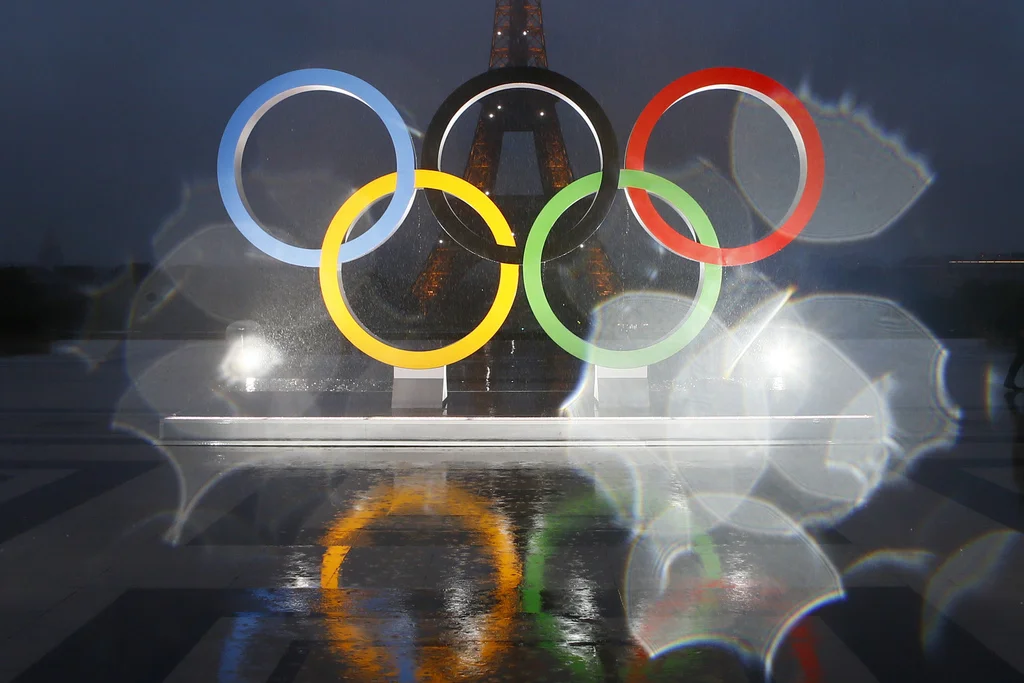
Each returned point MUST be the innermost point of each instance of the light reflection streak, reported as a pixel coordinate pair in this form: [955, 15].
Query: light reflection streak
[993, 390]
[773, 310]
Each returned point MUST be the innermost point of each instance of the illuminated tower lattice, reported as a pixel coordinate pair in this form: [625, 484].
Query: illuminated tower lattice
[517, 40]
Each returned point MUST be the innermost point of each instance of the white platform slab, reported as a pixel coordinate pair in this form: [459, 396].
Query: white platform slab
[442, 432]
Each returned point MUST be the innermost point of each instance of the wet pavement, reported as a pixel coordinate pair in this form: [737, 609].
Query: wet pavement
[546, 564]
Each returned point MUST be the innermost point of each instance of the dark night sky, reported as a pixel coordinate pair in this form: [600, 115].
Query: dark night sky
[109, 107]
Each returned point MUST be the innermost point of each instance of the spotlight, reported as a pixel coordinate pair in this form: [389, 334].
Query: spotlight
[249, 355]
[781, 359]
[250, 359]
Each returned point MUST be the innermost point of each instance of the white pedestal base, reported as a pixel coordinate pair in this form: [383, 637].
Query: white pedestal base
[419, 391]
[617, 391]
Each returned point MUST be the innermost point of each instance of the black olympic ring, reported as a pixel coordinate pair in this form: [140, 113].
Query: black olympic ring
[529, 78]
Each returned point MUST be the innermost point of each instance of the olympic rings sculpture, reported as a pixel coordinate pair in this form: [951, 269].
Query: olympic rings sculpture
[702, 246]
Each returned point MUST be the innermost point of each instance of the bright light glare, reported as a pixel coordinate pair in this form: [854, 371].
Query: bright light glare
[781, 359]
[248, 359]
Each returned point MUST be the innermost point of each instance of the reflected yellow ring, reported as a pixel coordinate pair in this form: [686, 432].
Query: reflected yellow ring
[493, 529]
[330, 280]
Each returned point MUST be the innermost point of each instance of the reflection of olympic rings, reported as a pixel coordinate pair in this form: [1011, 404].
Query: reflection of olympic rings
[801, 126]
[437, 665]
[248, 114]
[519, 78]
[583, 663]
[702, 247]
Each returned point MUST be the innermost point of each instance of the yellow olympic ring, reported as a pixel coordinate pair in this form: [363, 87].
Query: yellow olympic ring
[330, 282]
[491, 526]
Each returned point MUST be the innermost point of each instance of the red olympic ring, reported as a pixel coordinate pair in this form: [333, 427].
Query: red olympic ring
[805, 133]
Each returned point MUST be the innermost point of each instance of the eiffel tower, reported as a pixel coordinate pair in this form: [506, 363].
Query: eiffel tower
[517, 40]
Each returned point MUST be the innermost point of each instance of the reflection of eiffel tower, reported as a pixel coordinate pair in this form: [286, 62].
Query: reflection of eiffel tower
[517, 40]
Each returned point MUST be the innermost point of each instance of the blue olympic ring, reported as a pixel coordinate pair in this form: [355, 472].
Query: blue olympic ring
[258, 103]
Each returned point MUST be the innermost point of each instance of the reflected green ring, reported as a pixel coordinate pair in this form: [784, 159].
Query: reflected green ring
[583, 663]
[696, 319]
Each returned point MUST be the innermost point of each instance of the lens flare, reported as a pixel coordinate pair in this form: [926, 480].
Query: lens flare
[916, 561]
[248, 359]
[727, 586]
[964, 571]
[871, 178]
[885, 341]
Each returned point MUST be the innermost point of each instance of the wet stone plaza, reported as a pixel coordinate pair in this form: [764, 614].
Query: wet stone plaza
[130, 559]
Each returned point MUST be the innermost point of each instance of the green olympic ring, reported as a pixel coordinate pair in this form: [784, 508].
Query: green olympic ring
[699, 314]
[583, 664]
